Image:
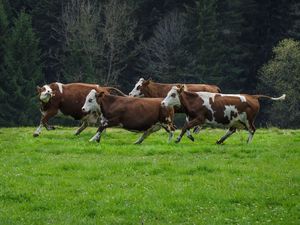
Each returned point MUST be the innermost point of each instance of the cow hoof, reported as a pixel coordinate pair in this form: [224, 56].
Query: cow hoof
[35, 135]
[191, 138]
[177, 141]
[219, 142]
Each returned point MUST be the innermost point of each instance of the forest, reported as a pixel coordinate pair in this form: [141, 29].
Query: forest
[243, 46]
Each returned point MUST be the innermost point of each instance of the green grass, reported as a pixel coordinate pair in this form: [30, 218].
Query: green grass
[59, 178]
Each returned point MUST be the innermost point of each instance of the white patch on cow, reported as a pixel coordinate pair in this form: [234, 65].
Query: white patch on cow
[228, 110]
[135, 92]
[242, 98]
[60, 87]
[172, 98]
[206, 96]
[39, 129]
[91, 104]
[43, 112]
[185, 87]
[96, 137]
[103, 120]
[46, 94]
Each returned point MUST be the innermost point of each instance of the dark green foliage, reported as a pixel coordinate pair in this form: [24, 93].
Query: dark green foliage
[114, 42]
[20, 72]
[3, 28]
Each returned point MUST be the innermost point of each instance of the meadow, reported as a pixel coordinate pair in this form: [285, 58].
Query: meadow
[59, 178]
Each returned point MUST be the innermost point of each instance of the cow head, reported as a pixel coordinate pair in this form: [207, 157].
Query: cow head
[45, 93]
[138, 90]
[91, 104]
[172, 98]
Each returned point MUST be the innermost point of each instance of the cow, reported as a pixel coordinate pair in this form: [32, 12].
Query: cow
[67, 99]
[234, 111]
[133, 114]
[150, 89]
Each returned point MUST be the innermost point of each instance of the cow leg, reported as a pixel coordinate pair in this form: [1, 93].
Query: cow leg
[46, 117]
[170, 131]
[154, 128]
[188, 132]
[97, 136]
[81, 128]
[228, 134]
[251, 131]
[189, 125]
[38, 130]
[197, 130]
[44, 122]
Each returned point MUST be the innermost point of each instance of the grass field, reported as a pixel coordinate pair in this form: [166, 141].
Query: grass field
[59, 178]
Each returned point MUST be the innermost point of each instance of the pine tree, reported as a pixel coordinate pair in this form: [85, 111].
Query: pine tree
[20, 73]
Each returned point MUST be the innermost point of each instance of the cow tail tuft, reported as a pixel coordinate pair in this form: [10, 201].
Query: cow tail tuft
[282, 97]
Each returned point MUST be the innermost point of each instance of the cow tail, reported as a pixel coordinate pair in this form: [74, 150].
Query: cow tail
[282, 97]
[117, 91]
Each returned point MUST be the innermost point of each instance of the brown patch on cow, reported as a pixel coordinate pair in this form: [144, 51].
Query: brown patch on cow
[151, 89]
[137, 114]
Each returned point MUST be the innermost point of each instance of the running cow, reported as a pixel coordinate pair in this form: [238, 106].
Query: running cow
[67, 99]
[150, 89]
[134, 114]
[215, 109]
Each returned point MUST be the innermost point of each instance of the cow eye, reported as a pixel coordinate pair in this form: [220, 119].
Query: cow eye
[173, 95]
[90, 100]
[138, 88]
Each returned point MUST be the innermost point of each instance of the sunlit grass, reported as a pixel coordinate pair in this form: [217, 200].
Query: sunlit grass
[59, 178]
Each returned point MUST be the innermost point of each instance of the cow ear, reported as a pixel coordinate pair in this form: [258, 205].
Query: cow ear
[146, 82]
[180, 88]
[99, 94]
[38, 89]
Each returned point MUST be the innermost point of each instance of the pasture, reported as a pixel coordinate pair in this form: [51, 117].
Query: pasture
[59, 178]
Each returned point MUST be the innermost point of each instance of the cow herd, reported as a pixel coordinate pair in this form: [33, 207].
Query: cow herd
[149, 107]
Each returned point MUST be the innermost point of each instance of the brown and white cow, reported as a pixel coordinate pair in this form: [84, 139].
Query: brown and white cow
[150, 89]
[133, 114]
[215, 109]
[67, 99]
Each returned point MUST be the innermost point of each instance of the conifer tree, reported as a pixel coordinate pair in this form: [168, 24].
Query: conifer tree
[20, 73]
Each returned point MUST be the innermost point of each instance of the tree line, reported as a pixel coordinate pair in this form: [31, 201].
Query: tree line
[243, 46]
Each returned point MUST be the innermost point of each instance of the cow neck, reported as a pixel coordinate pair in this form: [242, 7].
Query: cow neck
[105, 102]
[186, 100]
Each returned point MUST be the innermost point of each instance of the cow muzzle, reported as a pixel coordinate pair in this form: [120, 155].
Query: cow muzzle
[84, 110]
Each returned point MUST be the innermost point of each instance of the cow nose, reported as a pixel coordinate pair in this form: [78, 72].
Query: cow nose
[83, 109]
[162, 104]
